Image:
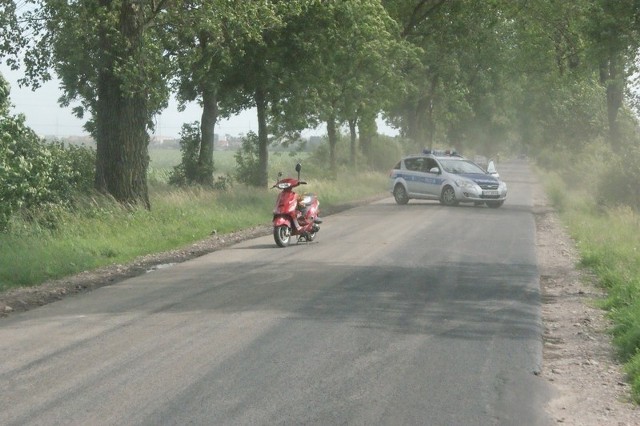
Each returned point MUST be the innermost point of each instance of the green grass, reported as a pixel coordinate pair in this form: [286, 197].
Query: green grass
[609, 244]
[102, 233]
[164, 158]
[162, 162]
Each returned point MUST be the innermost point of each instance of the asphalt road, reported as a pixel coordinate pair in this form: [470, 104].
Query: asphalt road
[396, 315]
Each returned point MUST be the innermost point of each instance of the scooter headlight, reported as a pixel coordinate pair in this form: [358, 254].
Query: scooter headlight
[283, 185]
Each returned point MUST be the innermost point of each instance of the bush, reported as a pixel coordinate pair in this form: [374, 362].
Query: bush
[36, 174]
[248, 161]
[385, 153]
[619, 183]
[223, 183]
[186, 172]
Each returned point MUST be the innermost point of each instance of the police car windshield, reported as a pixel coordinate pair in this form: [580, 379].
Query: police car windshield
[458, 166]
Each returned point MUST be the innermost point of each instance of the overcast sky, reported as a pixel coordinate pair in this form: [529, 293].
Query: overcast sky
[47, 118]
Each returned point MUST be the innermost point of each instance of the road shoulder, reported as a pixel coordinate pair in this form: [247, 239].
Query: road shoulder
[578, 356]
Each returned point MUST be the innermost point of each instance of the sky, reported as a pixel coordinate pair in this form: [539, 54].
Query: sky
[47, 118]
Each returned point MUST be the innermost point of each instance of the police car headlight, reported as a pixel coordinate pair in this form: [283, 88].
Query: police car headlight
[467, 184]
[502, 186]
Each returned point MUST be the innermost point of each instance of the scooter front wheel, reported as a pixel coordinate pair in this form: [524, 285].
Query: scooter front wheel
[282, 235]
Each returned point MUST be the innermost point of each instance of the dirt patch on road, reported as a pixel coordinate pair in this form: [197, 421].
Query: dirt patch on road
[578, 358]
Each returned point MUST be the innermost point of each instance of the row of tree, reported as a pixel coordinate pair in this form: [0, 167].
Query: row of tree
[458, 72]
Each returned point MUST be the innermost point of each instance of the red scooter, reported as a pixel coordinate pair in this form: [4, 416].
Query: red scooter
[293, 216]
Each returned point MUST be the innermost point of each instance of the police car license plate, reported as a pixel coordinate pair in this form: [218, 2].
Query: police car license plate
[491, 193]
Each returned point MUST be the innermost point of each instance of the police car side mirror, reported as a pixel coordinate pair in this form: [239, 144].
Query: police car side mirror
[435, 170]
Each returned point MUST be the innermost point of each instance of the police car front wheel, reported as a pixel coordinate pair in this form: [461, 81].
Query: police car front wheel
[400, 194]
[448, 196]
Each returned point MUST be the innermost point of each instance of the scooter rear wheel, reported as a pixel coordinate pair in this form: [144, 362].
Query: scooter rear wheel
[282, 235]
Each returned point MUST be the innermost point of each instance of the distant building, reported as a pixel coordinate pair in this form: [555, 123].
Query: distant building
[228, 143]
[219, 143]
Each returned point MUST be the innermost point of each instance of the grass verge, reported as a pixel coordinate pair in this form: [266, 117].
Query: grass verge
[101, 233]
[609, 245]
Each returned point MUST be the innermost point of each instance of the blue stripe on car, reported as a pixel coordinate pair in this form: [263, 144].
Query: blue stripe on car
[419, 178]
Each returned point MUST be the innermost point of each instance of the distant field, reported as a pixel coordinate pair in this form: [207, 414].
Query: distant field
[164, 160]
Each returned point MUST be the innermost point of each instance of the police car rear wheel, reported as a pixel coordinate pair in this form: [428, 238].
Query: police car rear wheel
[400, 194]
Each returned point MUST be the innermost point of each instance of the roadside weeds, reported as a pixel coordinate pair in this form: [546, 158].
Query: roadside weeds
[578, 356]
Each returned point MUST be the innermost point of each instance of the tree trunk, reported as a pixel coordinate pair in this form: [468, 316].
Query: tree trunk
[122, 156]
[428, 131]
[418, 125]
[333, 142]
[263, 139]
[353, 144]
[430, 120]
[612, 77]
[367, 128]
[207, 125]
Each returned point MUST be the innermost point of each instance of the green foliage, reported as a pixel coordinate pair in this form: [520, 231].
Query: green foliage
[609, 246]
[556, 191]
[12, 38]
[626, 331]
[611, 177]
[633, 372]
[319, 157]
[186, 173]
[109, 62]
[619, 183]
[385, 152]
[248, 161]
[36, 174]
[5, 89]
[223, 183]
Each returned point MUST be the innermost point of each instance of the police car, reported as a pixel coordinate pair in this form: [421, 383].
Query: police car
[447, 177]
